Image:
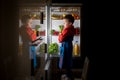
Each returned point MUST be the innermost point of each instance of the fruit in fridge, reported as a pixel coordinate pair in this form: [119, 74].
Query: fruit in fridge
[61, 27]
[52, 31]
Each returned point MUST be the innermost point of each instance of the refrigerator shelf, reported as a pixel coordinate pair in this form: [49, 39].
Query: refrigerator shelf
[38, 54]
[58, 55]
[62, 19]
[54, 55]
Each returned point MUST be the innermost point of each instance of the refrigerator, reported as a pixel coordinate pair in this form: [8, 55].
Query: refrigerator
[57, 11]
[49, 18]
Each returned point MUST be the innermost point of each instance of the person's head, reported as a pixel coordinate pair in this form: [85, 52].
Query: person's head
[68, 20]
[26, 20]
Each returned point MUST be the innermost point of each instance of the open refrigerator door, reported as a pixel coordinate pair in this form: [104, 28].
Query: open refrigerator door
[38, 14]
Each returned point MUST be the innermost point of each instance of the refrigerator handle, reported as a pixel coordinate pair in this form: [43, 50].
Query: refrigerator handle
[41, 17]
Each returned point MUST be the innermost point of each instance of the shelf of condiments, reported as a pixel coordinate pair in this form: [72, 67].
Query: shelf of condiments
[53, 16]
[53, 49]
[34, 12]
[65, 9]
[33, 15]
[61, 16]
[31, 9]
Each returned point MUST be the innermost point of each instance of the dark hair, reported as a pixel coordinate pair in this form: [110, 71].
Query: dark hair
[69, 17]
[25, 18]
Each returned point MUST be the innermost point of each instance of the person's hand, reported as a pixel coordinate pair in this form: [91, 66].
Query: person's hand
[33, 44]
[40, 38]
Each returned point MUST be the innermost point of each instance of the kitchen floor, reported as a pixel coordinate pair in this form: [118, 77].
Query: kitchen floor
[76, 75]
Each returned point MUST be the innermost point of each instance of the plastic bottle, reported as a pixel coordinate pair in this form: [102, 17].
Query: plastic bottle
[76, 48]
